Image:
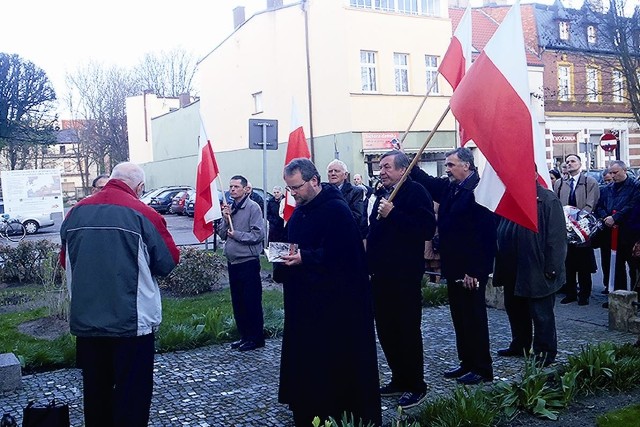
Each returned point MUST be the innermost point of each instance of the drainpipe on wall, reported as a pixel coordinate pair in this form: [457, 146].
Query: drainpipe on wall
[306, 40]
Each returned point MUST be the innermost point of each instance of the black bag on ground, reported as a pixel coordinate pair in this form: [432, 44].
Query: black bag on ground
[51, 415]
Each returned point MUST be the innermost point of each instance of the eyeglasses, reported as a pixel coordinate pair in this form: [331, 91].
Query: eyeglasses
[295, 187]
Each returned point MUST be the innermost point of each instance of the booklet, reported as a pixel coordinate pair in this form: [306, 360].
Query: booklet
[276, 250]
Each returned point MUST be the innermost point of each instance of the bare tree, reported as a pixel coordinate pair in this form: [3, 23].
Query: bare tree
[166, 73]
[27, 102]
[102, 93]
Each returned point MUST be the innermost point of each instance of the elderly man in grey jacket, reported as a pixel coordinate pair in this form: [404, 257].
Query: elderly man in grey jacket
[242, 228]
[582, 191]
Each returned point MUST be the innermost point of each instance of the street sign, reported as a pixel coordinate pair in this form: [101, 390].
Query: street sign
[263, 130]
[608, 142]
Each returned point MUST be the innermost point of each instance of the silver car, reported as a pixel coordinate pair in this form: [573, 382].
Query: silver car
[34, 222]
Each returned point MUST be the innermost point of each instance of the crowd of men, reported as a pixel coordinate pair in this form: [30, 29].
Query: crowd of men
[354, 272]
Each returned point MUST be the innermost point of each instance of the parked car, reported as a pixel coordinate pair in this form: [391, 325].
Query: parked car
[146, 197]
[179, 201]
[191, 203]
[34, 222]
[162, 202]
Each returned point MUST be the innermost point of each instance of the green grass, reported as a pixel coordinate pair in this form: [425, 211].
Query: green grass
[187, 323]
[624, 417]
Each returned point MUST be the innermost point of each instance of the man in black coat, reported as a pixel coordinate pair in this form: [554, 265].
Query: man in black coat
[395, 251]
[616, 202]
[329, 355]
[276, 222]
[337, 174]
[467, 248]
[531, 268]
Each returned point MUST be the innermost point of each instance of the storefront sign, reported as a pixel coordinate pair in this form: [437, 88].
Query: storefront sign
[379, 140]
[565, 138]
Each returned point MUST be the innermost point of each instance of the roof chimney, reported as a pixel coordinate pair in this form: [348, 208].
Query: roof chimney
[184, 99]
[238, 16]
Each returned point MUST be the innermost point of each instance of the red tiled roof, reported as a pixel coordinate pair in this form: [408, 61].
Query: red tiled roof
[485, 22]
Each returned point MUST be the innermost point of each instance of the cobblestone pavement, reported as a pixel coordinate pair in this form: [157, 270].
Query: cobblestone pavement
[217, 386]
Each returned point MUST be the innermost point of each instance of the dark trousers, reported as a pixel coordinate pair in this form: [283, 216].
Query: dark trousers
[579, 263]
[532, 320]
[117, 377]
[623, 257]
[469, 316]
[398, 314]
[246, 299]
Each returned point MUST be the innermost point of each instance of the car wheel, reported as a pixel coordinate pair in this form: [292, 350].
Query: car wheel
[31, 226]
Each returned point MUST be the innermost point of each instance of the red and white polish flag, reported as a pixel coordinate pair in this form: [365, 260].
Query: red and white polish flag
[457, 59]
[492, 104]
[207, 206]
[296, 147]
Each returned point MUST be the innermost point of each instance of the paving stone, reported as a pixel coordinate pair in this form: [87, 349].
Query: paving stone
[217, 386]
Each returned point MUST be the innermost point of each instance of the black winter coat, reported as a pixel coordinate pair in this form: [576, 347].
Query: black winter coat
[395, 244]
[329, 355]
[467, 230]
[276, 223]
[622, 198]
[525, 256]
[355, 200]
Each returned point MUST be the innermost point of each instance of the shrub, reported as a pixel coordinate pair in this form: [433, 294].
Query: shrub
[467, 406]
[30, 261]
[198, 271]
[434, 295]
[606, 366]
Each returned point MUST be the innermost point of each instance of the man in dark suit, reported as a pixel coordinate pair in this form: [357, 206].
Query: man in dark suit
[467, 233]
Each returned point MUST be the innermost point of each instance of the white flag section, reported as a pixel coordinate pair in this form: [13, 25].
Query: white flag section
[207, 207]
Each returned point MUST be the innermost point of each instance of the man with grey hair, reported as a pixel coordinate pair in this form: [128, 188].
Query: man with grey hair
[616, 202]
[115, 303]
[327, 305]
[467, 249]
[276, 222]
[395, 252]
[337, 173]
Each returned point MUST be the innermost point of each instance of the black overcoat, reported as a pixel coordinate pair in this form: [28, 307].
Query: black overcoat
[329, 356]
[524, 255]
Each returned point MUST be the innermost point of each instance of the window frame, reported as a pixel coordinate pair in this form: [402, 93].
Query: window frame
[368, 70]
[401, 72]
[431, 73]
[258, 103]
[593, 93]
[591, 34]
[569, 88]
[617, 86]
[563, 30]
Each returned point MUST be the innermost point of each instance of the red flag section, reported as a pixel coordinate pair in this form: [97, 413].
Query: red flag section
[207, 206]
[491, 104]
[458, 57]
[296, 147]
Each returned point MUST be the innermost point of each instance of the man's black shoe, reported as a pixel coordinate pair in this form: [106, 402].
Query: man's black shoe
[236, 344]
[390, 390]
[568, 300]
[250, 345]
[583, 301]
[409, 400]
[605, 305]
[456, 373]
[509, 352]
[472, 378]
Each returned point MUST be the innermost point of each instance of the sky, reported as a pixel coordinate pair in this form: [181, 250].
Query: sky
[61, 35]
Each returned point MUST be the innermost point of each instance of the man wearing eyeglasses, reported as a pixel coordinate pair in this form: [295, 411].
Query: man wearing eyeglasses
[467, 249]
[400, 226]
[99, 183]
[329, 357]
[115, 302]
[242, 228]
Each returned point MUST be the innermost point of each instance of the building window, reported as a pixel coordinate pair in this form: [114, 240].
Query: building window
[68, 167]
[593, 92]
[591, 34]
[401, 71]
[257, 103]
[617, 86]
[368, 71]
[564, 30]
[63, 149]
[431, 7]
[564, 82]
[431, 64]
[411, 7]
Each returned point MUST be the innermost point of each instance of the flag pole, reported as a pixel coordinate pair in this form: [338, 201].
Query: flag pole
[415, 116]
[418, 154]
[224, 200]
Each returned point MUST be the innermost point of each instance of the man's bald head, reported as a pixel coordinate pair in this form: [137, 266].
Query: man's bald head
[131, 174]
